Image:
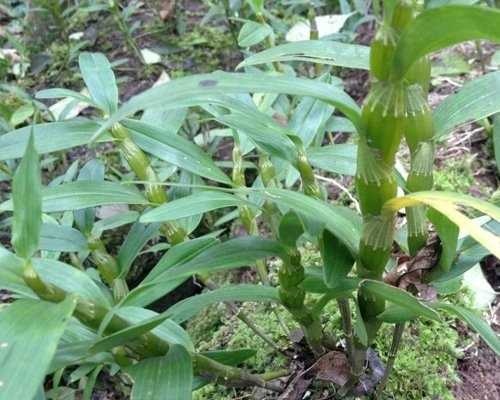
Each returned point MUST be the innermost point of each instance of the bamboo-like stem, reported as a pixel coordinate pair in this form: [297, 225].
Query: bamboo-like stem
[385, 113]
[292, 296]
[230, 375]
[91, 314]
[396, 341]
[345, 313]
[247, 216]
[140, 164]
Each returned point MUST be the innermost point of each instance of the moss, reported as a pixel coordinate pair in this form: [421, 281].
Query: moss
[232, 333]
[455, 175]
[425, 365]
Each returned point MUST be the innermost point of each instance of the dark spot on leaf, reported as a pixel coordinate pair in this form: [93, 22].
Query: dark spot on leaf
[208, 83]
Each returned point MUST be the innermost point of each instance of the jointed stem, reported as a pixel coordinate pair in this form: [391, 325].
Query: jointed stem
[396, 341]
[345, 313]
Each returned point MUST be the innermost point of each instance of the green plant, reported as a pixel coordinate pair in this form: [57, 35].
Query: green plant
[89, 316]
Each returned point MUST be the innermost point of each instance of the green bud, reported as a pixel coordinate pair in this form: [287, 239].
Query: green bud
[402, 15]
[419, 126]
[375, 246]
[372, 195]
[420, 73]
[383, 119]
[382, 53]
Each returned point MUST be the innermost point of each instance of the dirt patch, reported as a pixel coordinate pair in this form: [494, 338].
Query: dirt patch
[479, 372]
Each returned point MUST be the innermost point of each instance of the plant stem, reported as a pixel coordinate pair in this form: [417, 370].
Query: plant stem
[345, 313]
[215, 371]
[396, 341]
[140, 164]
[147, 345]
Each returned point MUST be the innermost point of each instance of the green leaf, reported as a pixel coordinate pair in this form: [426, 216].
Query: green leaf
[160, 378]
[230, 357]
[476, 100]
[58, 93]
[394, 314]
[100, 80]
[399, 297]
[84, 194]
[27, 203]
[136, 239]
[442, 27]
[192, 91]
[315, 51]
[11, 274]
[335, 158]
[290, 229]
[234, 253]
[337, 259]
[180, 254]
[148, 292]
[448, 204]
[128, 334]
[359, 326]
[310, 117]
[496, 135]
[55, 237]
[168, 330]
[72, 280]
[476, 323]
[252, 33]
[341, 221]
[175, 150]
[49, 137]
[197, 203]
[188, 308]
[314, 283]
[115, 221]
[29, 333]
[257, 6]
[448, 234]
[265, 133]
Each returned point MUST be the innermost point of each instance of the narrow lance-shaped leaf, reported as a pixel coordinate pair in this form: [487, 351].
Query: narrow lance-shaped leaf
[27, 203]
[183, 92]
[84, 194]
[252, 33]
[477, 99]
[315, 51]
[496, 136]
[337, 259]
[160, 378]
[29, 333]
[438, 28]
[49, 137]
[234, 253]
[447, 204]
[188, 308]
[197, 203]
[175, 149]
[448, 234]
[341, 221]
[336, 158]
[100, 80]
[400, 298]
[476, 323]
